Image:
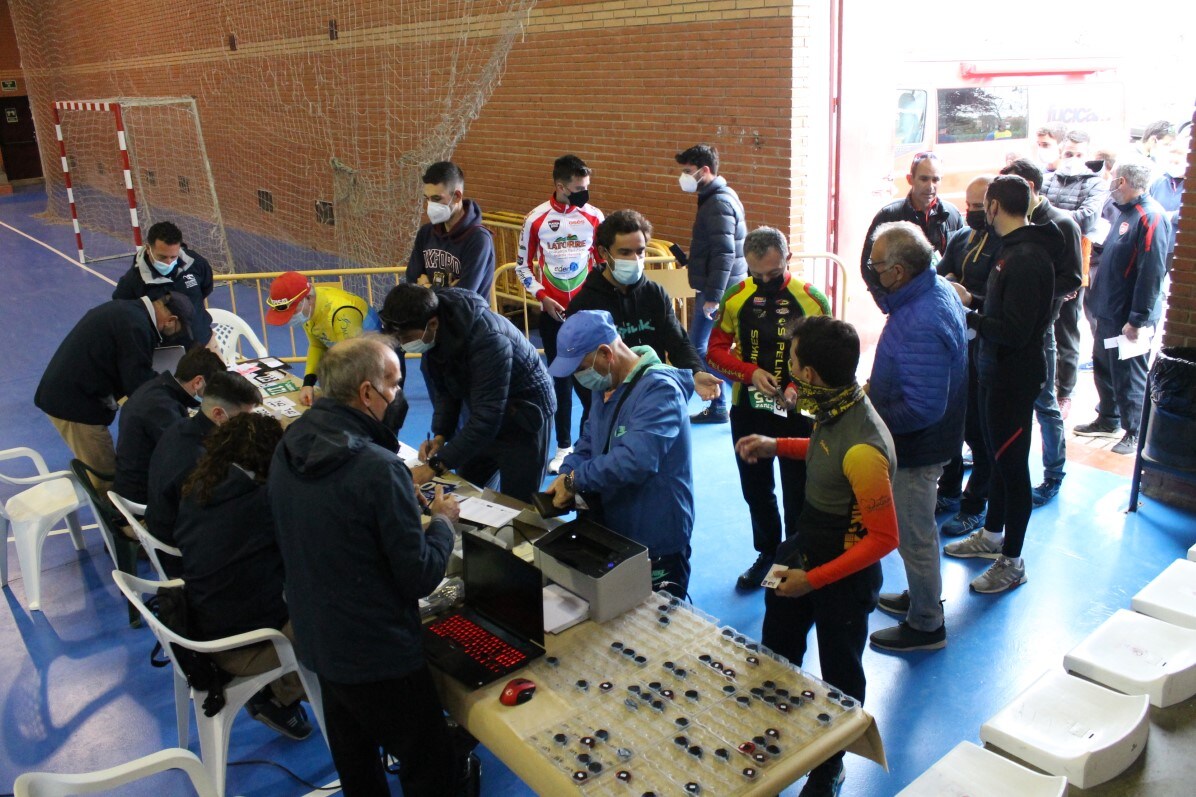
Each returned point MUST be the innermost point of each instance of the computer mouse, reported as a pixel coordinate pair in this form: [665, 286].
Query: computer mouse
[517, 692]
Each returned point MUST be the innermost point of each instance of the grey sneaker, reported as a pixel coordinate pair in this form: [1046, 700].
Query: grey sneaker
[1002, 575]
[963, 523]
[1126, 445]
[894, 603]
[974, 546]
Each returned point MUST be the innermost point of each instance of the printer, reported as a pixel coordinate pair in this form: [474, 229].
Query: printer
[608, 570]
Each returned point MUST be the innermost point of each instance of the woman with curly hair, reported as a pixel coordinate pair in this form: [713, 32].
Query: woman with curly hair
[232, 569]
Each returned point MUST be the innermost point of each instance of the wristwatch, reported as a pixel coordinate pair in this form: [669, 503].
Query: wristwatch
[570, 483]
[437, 465]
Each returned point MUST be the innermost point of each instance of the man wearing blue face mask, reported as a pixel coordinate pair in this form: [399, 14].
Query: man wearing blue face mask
[166, 265]
[641, 309]
[478, 361]
[632, 463]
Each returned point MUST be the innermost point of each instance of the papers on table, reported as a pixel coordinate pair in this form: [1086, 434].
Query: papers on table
[486, 513]
[562, 609]
[409, 455]
[1127, 348]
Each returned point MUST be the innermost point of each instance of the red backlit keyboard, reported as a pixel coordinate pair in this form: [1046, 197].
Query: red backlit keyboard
[478, 644]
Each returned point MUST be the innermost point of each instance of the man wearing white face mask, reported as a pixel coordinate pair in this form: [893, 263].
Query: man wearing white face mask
[632, 463]
[715, 251]
[556, 253]
[641, 309]
[453, 250]
[165, 265]
[327, 315]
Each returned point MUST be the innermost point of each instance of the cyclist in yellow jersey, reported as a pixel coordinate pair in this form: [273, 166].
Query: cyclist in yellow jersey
[327, 314]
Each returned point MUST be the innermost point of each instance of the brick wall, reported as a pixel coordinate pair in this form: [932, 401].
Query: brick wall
[622, 84]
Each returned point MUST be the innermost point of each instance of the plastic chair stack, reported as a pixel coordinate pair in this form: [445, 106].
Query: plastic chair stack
[972, 771]
[1139, 655]
[228, 329]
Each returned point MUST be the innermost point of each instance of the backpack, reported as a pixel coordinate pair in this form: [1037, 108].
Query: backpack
[170, 606]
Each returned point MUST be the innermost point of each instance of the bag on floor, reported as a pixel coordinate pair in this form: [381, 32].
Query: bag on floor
[170, 606]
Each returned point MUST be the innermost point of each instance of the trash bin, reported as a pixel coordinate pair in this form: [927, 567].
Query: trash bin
[1171, 432]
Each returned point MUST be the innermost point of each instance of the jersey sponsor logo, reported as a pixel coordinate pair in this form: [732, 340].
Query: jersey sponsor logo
[782, 302]
[782, 311]
[189, 281]
[1124, 228]
[759, 300]
[567, 242]
[620, 431]
[582, 222]
[554, 224]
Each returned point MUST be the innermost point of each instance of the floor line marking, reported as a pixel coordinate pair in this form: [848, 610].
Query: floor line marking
[321, 792]
[63, 255]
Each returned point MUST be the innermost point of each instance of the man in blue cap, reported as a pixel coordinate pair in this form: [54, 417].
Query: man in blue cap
[631, 468]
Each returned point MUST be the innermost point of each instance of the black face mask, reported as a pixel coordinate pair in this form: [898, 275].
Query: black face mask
[976, 220]
[769, 286]
[579, 198]
[396, 414]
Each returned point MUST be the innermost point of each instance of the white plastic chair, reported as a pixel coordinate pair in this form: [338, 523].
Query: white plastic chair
[971, 771]
[49, 784]
[1139, 655]
[1192, 554]
[1171, 597]
[1071, 727]
[228, 328]
[152, 545]
[214, 731]
[32, 513]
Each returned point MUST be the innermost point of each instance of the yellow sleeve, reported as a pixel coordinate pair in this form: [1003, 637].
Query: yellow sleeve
[315, 351]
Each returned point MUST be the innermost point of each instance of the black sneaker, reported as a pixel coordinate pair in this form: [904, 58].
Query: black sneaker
[824, 781]
[711, 414]
[750, 579]
[1097, 428]
[1044, 492]
[894, 603]
[902, 637]
[289, 721]
[1126, 445]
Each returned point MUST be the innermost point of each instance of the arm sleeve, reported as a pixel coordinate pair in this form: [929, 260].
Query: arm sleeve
[721, 249]
[206, 283]
[583, 449]
[477, 263]
[1154, 236]
[489, 387]
[677, 345]
[868, 471]
[415, 263]
[654, 423]
[347, 323]
[529, 251]
[315, 353]
[416, 557]
[1089, 210]
[919, 399]
[1068, 278]
[136, 358]
[130, 285]
[793, 447]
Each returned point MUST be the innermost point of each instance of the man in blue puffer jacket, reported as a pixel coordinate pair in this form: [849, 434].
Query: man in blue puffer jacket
[919, 387]
[634, 454]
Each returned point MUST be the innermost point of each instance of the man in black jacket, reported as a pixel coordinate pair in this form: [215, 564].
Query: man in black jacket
[641, 309]
[479, 361]
[108, 355]
[166, 265]
[355, 571]
[937, 218]
[225, 395]
[715, 259]
[1069, 268]
[151, 410]
[1011, 369]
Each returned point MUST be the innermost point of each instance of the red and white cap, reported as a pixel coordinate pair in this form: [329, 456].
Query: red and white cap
[285, 294]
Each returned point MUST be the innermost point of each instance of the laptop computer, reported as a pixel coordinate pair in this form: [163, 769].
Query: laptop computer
[501, 627]
[166, 358]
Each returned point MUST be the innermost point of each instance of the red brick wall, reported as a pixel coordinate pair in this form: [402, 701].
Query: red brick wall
[1179, 325]
[622, 84]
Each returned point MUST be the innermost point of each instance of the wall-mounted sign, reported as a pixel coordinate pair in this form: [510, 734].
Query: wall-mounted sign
[10, 116]
[8, 85]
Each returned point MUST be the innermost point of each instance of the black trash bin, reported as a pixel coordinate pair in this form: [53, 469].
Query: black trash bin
[1171, 432]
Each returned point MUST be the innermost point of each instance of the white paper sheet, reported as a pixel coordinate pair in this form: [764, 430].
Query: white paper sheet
[486, 513]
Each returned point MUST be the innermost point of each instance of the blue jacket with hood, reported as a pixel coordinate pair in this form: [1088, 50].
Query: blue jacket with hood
[919, 378]
[645, 479]
[357, 561]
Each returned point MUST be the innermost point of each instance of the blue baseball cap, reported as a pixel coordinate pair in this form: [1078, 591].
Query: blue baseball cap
[581, 334]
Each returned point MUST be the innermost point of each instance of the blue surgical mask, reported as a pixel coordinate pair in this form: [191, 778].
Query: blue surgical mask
[163, 268]
[590, 379]
[419, 345]
[627, 272]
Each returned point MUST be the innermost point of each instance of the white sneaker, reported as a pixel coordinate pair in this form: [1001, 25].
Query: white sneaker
[554, 465]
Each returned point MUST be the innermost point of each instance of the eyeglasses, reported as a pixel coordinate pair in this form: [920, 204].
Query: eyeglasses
[872, 264]
[918, 158]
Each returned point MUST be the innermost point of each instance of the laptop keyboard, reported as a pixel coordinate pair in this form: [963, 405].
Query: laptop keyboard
[478, 644]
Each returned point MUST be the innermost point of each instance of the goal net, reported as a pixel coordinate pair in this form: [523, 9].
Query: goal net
[318, 119]
[129, 163]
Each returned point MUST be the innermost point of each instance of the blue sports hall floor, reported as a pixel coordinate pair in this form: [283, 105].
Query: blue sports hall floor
[78, 692]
